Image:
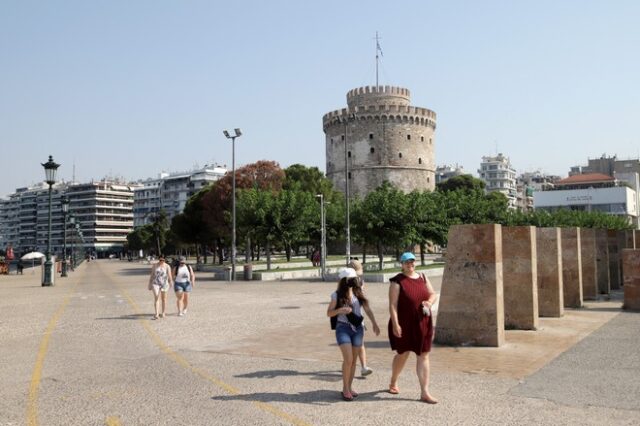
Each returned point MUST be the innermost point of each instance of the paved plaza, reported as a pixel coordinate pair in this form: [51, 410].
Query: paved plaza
[86, 352]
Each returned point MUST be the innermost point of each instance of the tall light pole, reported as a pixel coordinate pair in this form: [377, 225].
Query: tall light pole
[65, 209]
[50, 169]
[345, 120]
[237, 134]
[72, 222]
[323, 238]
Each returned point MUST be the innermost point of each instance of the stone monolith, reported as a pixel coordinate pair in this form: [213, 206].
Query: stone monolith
[471, 308]
[588, 258]
[519, 275]
[631, 278]
[550, 293]
[614, 259]
[571, 268]
[602, 261]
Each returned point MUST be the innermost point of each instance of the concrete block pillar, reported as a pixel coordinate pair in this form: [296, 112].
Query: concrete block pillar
[519, 274]
[571, 268]
[588, 257]
[631, 278]
[550, 292]
[471, 308]
[602, 261]
[614, 259]
[631, 239]
[622, 244]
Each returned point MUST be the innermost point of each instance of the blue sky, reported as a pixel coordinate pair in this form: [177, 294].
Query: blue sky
[131, 88]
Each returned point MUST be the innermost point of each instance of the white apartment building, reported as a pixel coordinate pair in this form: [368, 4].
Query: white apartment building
[102, 209]
[528, 183]
[499, 176]
[446, 172]
[170, 192]
[590, 192]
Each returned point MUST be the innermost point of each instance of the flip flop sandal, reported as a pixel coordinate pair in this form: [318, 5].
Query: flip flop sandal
[394, 390]
[346, 397]
[428, 400]
[354, 394]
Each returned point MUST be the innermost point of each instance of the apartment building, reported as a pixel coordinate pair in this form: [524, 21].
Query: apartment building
[499, 176]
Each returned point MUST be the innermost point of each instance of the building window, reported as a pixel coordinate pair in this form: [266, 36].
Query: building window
[349, 175]
[349, 154]
[430, 141]
[408, 137]
[342, 137]
[421, 138]
[419, 160]
[372, 150]
[400, 155]
[370, 135]
[428, 179]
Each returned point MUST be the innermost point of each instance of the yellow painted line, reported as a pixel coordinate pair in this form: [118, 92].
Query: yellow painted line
[112, 421]
[184, 363]
[34, 386]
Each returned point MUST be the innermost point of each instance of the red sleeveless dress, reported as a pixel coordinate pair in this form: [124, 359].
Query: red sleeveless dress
[417, 328]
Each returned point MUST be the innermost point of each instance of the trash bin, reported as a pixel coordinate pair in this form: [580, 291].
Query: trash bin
[227, 273]
[248, 272]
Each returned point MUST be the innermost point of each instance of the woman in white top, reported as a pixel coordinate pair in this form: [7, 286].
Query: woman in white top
[347, 304]
[184, 279]
[159, 283]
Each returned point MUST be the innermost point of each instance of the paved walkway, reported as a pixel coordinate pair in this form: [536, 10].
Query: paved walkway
[86, 352]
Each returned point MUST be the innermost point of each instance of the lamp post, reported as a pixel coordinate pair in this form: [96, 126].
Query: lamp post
[323, 238]
[50, 169]
[345, 120]
[237, 134]
[72, 222]
[65, 210]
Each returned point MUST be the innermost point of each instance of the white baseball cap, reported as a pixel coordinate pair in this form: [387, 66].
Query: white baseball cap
[347, 273]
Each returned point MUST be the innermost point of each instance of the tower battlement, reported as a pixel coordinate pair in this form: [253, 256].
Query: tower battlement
[406, 113]
[378, 95]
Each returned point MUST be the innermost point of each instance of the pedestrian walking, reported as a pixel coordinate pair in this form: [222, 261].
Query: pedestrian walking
[183, 282]
[411, 324]
[159, 283]
[362, 353]
[347, 303]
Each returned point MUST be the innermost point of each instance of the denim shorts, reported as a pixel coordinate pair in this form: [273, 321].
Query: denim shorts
[345, 334]
[186, 287]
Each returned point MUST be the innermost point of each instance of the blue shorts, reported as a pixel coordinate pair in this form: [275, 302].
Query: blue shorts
[345, 334]
[186, 287]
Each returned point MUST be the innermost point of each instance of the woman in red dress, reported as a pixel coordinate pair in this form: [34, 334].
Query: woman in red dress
[411, 326]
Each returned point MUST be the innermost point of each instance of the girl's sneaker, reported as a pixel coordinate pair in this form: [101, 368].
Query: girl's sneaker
[365, 371]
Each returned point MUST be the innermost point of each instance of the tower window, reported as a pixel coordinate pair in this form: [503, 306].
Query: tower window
[408, 137]
[419, 160]
[421, 138]
[400, 155]
[430, 141]
[349, 175]
[428, 179]
[372, 150]
[370, 135]
[349, 154]
[342, 137]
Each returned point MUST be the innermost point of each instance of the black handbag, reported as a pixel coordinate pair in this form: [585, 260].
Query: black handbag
[355, 320]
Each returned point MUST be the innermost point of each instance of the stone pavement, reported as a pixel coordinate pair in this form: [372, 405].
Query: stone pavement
[86, 352]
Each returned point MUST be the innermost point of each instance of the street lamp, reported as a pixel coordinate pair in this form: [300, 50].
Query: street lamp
[238, 133]
[323, 238]
[346, 120]
[65, 210]
[50, 169]
[72, 222]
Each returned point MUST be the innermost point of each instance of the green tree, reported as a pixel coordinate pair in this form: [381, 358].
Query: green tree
[465, 183]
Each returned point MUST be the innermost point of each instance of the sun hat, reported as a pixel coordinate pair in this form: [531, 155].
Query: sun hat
[406, 256]
[347, 273]
[182, 259]
[356, 266]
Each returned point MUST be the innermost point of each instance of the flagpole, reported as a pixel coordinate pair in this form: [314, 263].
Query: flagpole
[377, 47]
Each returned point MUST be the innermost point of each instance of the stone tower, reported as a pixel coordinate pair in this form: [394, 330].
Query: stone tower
[386, 139]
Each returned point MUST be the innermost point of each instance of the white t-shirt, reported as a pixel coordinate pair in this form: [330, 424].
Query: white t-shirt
[355, 308]
[183, 275]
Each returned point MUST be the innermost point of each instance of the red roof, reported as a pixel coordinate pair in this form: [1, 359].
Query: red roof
[585, 178]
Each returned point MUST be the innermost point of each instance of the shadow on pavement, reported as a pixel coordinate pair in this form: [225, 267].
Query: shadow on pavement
[317, 397]
[135, 271]
[327, 376]
[127, 317]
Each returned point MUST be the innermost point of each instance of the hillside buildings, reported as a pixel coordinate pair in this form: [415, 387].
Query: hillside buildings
[446, 172]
